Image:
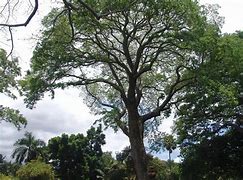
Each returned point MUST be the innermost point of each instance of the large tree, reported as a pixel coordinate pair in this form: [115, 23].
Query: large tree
[27, 148]
[211, 116]
[9, 70]
[128, 56]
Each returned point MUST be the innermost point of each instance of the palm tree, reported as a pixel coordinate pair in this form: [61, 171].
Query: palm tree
[169, 143]
[27, 148]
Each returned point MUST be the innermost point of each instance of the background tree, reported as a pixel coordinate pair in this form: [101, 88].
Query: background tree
[125, 158]
[112, 168]
[130, 61]
[163, 141]
[7, 168]
[9, 70]
[211, 115]
[77, 156]
[164, 170]
[27, 148]
[168, 142]
[215, 158]
[2, 158]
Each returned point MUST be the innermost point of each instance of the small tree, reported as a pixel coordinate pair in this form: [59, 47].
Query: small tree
[169, 143]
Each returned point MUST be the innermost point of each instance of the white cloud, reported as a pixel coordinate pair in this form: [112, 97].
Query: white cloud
[66, 113]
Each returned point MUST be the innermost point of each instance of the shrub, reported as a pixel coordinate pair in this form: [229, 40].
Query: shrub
[3, 177]
[36, 170]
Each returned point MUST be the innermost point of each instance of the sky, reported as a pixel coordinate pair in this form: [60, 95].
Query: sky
[67, 113]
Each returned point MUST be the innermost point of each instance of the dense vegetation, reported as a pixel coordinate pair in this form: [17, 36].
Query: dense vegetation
[138, 62]
[77, 156]
[210, 125]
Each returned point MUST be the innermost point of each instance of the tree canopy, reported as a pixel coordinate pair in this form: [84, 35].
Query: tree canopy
[213, 104]
[210, 118]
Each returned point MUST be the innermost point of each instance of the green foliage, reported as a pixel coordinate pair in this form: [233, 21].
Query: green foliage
[126, 160]
[28, 148]
[164, 170]
[9, 70]
[3, 177]
[13, 116]
[77, 156]
[219, 157]
[113, 169]
[169, 142]
[214, 99]
[163, 141]
[35, 169]
[210, 117]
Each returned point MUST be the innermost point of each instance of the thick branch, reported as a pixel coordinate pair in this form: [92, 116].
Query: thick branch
[12, 41]
[123, 95]
[84, 81]
[91, 10]
[102, 46]
[121, 124]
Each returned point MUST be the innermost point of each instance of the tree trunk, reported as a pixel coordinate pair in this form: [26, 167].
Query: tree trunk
[169, 155]
[137, 146]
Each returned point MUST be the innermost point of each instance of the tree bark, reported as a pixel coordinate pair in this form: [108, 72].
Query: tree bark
[137, 146]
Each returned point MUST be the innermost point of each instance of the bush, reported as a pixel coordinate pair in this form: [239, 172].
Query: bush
[3, 177]
[36, 170]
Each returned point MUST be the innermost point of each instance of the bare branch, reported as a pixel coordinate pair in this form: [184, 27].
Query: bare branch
[32, 14]
[85, 81]
[12, 41]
